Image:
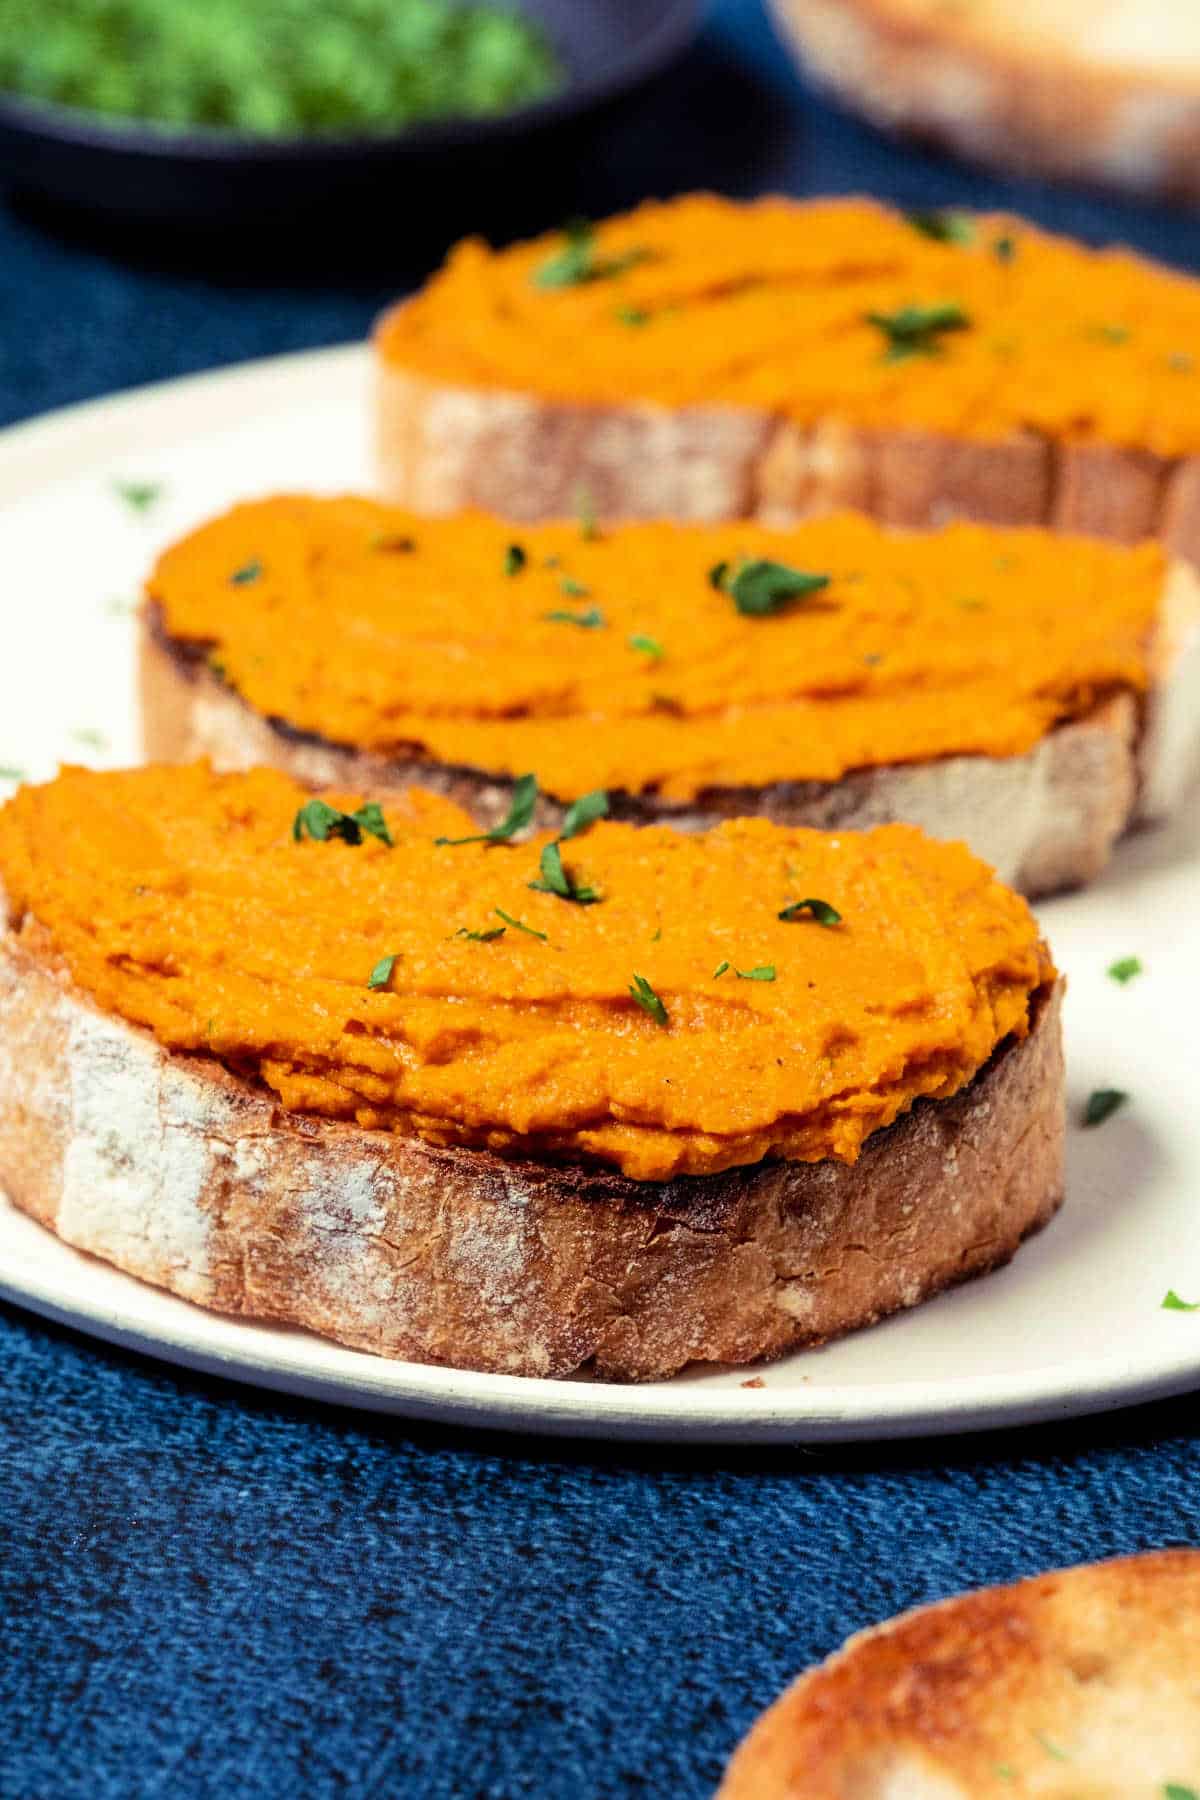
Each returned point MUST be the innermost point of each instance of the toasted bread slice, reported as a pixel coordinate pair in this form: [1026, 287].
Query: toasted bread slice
[186, 1176]
[470, 1154]
[1101, 91]
[1046, 817]
[806, 416]
[1081, 1683]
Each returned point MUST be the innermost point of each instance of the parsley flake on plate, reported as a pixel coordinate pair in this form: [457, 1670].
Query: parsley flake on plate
[1102, 1104]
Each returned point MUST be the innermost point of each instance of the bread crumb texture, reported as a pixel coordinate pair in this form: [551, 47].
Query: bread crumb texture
[836, 309]
[621, 659]
[674, 1023]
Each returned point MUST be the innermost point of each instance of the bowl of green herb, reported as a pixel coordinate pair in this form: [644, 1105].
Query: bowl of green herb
[177, 108]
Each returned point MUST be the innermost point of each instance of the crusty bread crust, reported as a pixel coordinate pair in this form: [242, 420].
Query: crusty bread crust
[1045, 821]
[187, 1176]
[441, 449]
[1063, 115]
[1072, 1684]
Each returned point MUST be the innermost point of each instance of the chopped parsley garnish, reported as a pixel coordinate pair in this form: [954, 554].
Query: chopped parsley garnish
[648, 646]
[1102, 1104]
[524, 801]
[381, 974]
[641, 991]
[583, 812]
[820, 910]
[1174, 1791]
[1051, 1748]
[1004, 249]
[87, 734]
[590, 619]
[1180, 363]
[632, 315]
[763, 972]
[248, 572]
[574, 590]
[918, 330]
[555, 880]
[481, 937]
[1124, 969]
[579, 260]
[320, 821]
[138, 495]
[1110, 334]
[720, 970]
[9, 773]
[1171, 1302]
[944, 227]
[394, 542]
[518, 924]
[759, 587]
[514, 559]
[585, 510]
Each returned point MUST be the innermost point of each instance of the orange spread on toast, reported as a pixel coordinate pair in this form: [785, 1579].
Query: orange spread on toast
[183, 902]
[705, 302]
[611, 659]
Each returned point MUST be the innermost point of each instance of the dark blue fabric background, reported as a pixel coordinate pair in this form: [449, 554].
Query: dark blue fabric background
[205, 1590]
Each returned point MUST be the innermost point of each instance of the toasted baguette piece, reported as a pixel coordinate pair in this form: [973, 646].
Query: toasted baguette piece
[1103, 91]
[1046, 820]
[442, 448]
[187, 1176]
[1082, 1683]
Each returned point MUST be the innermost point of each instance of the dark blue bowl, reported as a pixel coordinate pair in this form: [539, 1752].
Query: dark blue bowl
[100, 164]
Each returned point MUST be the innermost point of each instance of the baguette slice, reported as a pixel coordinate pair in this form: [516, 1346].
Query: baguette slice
[1103, 91]
[484, 438]
[1046, 820]
[190, 1178]
[1080, 1683]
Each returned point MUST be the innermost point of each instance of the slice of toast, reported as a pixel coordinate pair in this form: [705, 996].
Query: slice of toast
[794, 422]
[1100, 91]
[1046, 818]
[1080, 1683]
[188, 1177]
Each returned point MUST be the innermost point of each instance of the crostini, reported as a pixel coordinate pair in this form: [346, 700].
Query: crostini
[1032, 694]
[1076, 1683]
[619, 1099]
[704, 359]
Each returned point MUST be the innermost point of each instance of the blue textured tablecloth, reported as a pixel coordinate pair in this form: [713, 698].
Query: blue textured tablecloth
[209, 1591]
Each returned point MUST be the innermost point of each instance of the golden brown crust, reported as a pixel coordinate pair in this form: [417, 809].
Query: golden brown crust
[1045, 821]
[1062, 114]
[188, 1177]
[1081, 1682]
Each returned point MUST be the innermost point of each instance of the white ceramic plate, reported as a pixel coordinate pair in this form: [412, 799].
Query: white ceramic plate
[1074, 1325]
